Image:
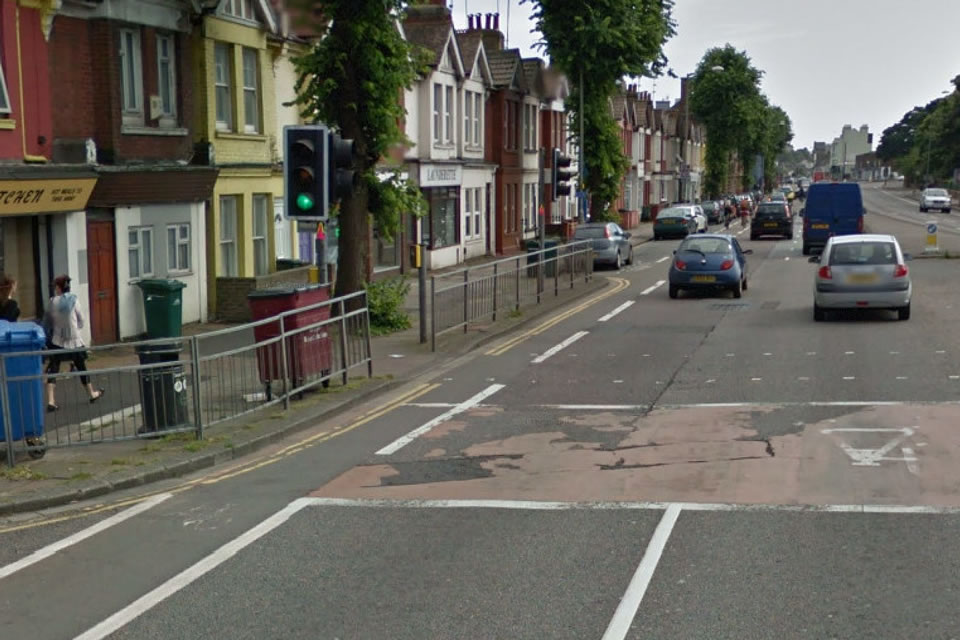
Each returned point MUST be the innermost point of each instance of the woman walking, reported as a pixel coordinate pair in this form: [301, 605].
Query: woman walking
[66, 321]
[9, 309]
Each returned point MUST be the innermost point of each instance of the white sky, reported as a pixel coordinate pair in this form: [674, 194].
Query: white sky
[826, 62]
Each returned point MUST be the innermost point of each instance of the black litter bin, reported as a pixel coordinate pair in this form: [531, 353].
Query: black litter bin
[550, 268]
[163, 390]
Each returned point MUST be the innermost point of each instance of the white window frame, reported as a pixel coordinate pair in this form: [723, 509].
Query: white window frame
[242, 9]
[467, 117]
[169, 112]
[249, 53]
[131, 70]
[448, 124]
[5, 108]
[143, 271]
[173, 249]
[261, 253]
[229, 269]
[477, 217]
[478, 118]
[467, 214]
[227, 84]
[437, 113]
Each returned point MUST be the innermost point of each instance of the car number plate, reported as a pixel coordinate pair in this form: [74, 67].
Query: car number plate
[704, 279]
[819, 226]
[770, 224]
[861, 278]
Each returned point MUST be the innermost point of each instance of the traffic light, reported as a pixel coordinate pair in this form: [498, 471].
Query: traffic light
[561, 175]
[341, 178]
[305, 188]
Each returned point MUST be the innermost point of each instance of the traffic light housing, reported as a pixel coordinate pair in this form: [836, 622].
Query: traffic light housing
[305, 172]
[561, 175]
[341, 177]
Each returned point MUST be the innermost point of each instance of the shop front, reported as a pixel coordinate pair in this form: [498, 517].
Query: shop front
[42, 235]
[441, 229]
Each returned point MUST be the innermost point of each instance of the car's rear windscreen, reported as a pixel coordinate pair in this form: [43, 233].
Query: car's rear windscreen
[863, 253]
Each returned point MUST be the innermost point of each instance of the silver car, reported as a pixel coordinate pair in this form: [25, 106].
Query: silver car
[611, 244]
[935, 199]
[865, 271]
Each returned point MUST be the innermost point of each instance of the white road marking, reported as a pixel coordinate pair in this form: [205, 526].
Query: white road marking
[901, 377]
[120, 415]
[730, 355]
[755, 379]
[146, 602]
[534, 505]
[955, 377]
[849, 377]
[803, 379]
[711, 381]
[650, 290]
[811, 353]
[941, 351]
[848, 353]
[623, 617]
[646, 355]
[787, 259]
[768, 354]
[810, 403]
[626, 305]
[911, 459]
[872, 457]
[80, 536]
[466, 405]
[554, 350]
[594, 407]
[894, 353]
[663, 259]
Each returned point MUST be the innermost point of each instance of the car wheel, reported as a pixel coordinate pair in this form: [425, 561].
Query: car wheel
[946, 210]
[744, 284]
[656, 237]
[619, 263]
[819, 315]
[630, 256]
[903, 313]
[753, 237]
[738, 289]
[923, 210]
[806, 250]
[674, 291]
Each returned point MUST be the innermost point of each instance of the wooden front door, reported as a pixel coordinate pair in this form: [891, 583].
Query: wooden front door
[101, 252]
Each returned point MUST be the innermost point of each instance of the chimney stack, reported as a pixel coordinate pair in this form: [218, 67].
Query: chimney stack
[470, 22]
[496, 21]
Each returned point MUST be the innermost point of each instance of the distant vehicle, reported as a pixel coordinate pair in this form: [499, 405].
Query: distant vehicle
[714, 211]
[772, 219]
[832, 209]
[698, 214]
[935, 199]
[709, 261]
[611, 244]
[674, 222]
[777, 196]
[868, 271]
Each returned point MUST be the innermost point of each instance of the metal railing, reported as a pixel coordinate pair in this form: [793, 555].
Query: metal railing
[183, 385]
[463, 297]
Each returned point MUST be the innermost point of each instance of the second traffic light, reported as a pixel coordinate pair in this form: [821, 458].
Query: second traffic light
[317, 171]
[561, 175]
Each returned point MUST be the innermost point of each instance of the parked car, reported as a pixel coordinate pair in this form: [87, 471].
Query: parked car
[709, 261]
[867, 271]
[674, 222]
[832, 209]
[935, 199]
[611, 244]
[772, 219]
[714, 211]
[700, 218]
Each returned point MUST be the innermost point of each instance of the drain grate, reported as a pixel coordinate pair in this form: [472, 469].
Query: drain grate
[729, 306]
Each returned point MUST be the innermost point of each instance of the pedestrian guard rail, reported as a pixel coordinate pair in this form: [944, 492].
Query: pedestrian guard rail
[465, 297]
[183, 385]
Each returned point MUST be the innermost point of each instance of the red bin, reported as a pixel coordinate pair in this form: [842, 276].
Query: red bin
[309, 352]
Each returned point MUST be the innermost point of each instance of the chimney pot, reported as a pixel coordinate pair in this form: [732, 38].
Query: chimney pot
[496, 21]
[470, 22]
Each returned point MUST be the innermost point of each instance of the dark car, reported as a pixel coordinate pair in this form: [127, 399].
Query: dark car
[713, 210]
[709, 261]
[611, 244]
[673, 223]
[772, 219]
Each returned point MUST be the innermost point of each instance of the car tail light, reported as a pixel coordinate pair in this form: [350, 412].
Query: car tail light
[900, 271]
[727, 264]
[825, 273]
[606, 232]
[681, 265]
[860, 224]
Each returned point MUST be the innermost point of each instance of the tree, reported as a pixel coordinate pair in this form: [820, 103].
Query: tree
[351, 79]
[896, 140]
[596, 44]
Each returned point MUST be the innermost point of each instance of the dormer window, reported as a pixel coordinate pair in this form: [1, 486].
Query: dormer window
[242, 9]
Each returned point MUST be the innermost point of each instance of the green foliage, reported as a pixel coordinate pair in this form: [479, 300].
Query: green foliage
[351, 79]
[385, 300]
[601, 42]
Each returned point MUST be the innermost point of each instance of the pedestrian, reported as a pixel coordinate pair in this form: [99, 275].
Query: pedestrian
[9, 309]
[66, 319]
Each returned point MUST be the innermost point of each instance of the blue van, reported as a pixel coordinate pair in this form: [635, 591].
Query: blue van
[832, 209]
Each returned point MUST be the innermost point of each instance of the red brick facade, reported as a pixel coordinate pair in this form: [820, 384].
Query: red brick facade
[26, 132]
[504, 144]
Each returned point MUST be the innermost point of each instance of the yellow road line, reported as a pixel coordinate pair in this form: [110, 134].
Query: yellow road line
[239, 469]
[620, 285]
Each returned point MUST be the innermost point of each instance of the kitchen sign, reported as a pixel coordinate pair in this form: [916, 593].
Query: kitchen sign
[19, 197]
[441, 175]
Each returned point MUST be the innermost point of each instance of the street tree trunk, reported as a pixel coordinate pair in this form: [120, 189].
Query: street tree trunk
[354, 242]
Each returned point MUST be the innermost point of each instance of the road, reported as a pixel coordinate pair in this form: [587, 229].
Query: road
[639, 467]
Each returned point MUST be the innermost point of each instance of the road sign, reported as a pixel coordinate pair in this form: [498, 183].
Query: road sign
[933, 244]
[873, 457]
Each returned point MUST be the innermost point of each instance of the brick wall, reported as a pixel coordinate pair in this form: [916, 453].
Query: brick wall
[232, 293]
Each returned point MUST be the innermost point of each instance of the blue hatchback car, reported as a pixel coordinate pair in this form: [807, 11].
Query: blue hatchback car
[711, 261]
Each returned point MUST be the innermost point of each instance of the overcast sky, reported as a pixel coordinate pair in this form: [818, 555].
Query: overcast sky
[826, 62]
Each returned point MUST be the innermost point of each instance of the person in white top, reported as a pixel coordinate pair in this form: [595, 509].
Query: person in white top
[65, 321]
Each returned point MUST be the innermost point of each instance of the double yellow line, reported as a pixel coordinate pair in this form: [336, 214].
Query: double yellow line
[619, 285]
[242, 468]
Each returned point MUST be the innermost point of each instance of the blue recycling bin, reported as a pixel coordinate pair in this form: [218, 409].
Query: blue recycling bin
[26, 396]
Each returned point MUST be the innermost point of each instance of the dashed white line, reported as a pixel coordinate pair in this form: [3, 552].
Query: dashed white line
[955, 377]
[80, 536]
[768, 354]
[650, 290]
[756, 379]
[901, 377]
[848, 353]
[803, 379]
[471, 403]
[941, 351]
[626, 305]
[811, 353]
[554, 350]
[663, 259]
[894, 353]
[849, 377]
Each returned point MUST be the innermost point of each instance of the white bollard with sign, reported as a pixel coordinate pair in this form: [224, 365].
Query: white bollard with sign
[933, 244]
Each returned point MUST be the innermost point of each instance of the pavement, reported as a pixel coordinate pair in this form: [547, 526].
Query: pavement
[626, 466]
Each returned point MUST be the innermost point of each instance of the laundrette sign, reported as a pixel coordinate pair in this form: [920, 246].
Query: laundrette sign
[44, 196]
[441, 175]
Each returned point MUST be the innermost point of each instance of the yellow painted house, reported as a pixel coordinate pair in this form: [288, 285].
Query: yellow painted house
[237, 57]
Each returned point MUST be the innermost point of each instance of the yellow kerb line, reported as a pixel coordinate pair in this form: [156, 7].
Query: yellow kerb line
[621, 284]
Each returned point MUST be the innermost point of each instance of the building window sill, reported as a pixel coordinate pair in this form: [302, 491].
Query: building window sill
[249, 137]
[7, 123]
[445, 146]
[135, 130]
[474, 149]
[179, 274]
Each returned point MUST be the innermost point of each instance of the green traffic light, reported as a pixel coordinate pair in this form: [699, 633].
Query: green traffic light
[304, 202]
